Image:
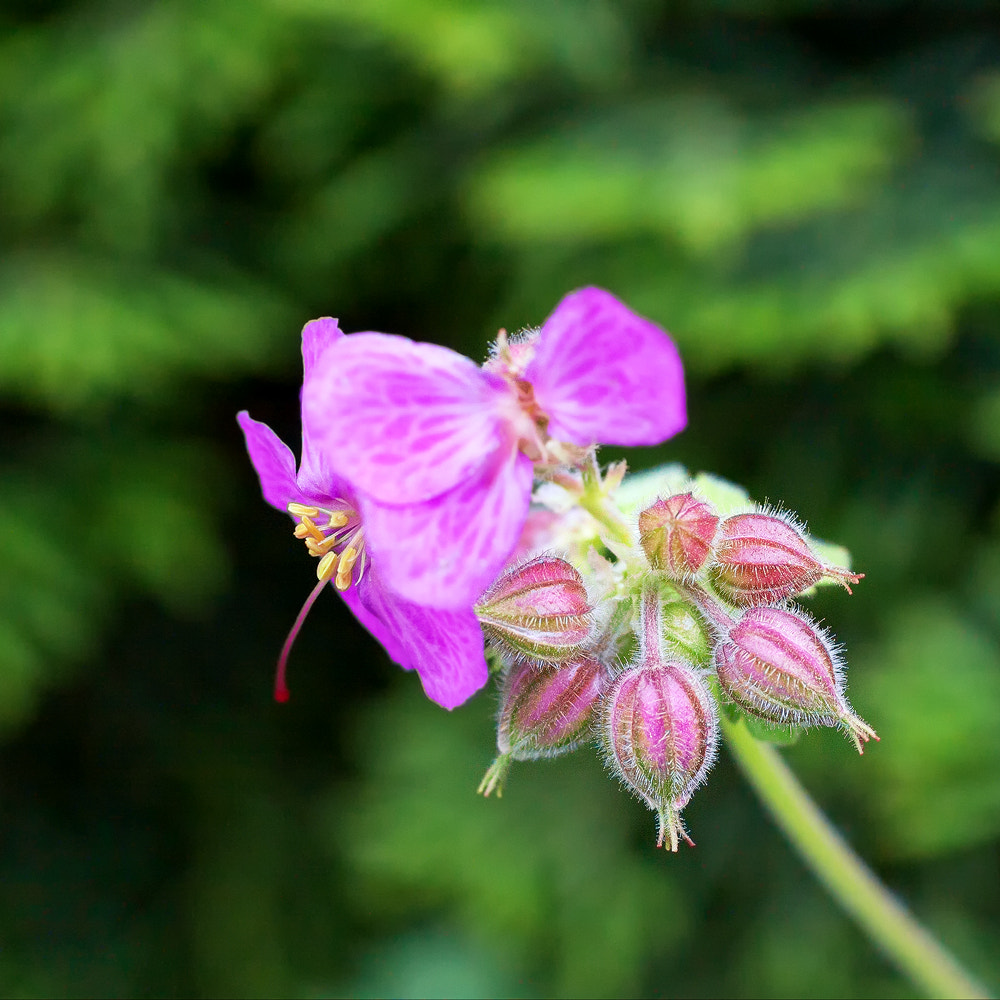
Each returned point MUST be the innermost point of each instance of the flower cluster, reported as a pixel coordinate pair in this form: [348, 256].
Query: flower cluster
[689, 618]
[460, 512]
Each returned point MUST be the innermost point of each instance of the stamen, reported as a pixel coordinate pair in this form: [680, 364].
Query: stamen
[327, 566]
[320, 541]
[311, 528]
[347, 559]
[324, 546]
[361, 565]
[280, 687]
[302, 510]
[320, 548]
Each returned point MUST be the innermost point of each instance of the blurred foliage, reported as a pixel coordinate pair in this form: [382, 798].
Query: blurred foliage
[807, 194]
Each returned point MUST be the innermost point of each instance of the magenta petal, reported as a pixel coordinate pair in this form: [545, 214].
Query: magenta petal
[605, 375]
[446, 552]
[402, 421]
[365, 601]
[447, 651]
[444, 647]
[273, 460]
[317, 336]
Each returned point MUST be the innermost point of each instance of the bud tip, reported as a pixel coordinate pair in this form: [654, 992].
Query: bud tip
[860, 732]
[494, 777]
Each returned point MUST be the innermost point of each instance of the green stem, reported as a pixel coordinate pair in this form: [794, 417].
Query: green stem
[595, 502]
[883, 918]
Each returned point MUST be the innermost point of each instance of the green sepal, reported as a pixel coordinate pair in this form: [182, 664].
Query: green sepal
[496, 662]
[685, 633]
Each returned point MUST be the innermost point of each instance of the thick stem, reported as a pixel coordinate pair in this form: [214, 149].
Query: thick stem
[882, 917]
[651, 625]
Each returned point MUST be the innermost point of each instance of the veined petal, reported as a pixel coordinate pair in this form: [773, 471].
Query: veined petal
[273, 461]
[447, 651]
[605, 375]
[444, 647]
[366, 602]
[317, 336]
[445, 552]
[402, 421]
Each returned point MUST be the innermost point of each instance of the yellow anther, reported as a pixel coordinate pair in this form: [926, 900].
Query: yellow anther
[327, 566]
[311, 528]
[337, 520]
[320, 548]
[301, 531]
[302, 510]
[345, 571]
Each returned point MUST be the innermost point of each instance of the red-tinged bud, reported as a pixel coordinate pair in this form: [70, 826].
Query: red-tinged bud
[660, 731]
[660, 737]
[677, 534]
[545, 711]
[780, 666]
[762, 559]
[538, 609]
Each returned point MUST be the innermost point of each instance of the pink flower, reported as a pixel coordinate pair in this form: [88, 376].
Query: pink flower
[441, 452]
[445, 647]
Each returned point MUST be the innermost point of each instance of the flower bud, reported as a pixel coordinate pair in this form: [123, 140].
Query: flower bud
[538, 609]
[660, 735]
[781, 667]
[545, 711]
[762, 559]
[685, 634]
[677, 534]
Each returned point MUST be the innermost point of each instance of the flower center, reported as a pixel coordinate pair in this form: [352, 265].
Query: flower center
[334, 537]
[532, 423]
[509, 359]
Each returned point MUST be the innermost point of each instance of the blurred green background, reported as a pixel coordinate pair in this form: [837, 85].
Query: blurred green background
[807, 194]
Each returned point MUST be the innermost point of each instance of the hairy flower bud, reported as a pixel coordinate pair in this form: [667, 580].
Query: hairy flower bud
[545, 711]
[660, 729]
[762, 559]
[677, 534]
[660, 736]
[780, 666]
[538, 609]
